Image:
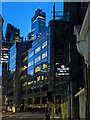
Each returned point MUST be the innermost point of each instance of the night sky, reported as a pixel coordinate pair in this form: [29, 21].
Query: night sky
[19, 14]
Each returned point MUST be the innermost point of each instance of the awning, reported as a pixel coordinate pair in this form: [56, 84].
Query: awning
[80, 92]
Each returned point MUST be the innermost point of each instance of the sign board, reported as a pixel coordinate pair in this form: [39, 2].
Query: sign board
[63, 71]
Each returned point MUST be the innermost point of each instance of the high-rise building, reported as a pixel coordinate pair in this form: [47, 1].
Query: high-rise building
[17, 70]
[38, 24]
[12, 34]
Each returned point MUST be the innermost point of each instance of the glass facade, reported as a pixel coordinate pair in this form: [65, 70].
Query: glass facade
[13, 52]
[38, 23]
[39, 54]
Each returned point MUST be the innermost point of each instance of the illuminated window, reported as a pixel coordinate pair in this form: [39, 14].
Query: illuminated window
[37, 69]
[37, 59]
[46, 77]
[40, 17]
[30, 63]
[24, 84]
[31, 82]
[57, 63]
[21, 77]
[44, 66]
[44, 55]
[42, 77]
[5, 56]
[38, 49]
[24, 68]
[11, 72]
[38, 78]
[4, 48]
[24, 59]
[44, 44]
[34, 81]
[31, 54]
[31, 72]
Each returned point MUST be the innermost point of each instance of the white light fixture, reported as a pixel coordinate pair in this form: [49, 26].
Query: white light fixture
[62, 66]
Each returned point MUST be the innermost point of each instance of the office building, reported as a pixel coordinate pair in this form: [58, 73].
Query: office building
[12, 34]
[17, 70]
[38, 24]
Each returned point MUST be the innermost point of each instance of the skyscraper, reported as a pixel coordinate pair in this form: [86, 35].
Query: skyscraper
[38, 24]
[12, 34]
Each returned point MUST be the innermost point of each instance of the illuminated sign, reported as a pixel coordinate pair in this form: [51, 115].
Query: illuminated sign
[63, 71]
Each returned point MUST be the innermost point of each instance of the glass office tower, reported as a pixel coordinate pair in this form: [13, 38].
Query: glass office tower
[38, 23]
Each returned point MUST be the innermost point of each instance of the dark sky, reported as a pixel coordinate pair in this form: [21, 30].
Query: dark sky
[19, 14]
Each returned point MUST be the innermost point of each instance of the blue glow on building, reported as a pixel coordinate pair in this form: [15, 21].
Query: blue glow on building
[39, 53]
[13, 52]
[38, 24]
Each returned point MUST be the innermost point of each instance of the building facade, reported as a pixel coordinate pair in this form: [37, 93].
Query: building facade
[12, 34]
[17, 70]
[38, 24]
[82, 33]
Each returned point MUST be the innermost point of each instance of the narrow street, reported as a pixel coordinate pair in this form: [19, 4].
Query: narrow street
[25, 116]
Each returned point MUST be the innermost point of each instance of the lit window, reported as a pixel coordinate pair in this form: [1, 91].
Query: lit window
[34, 81]
[38, 78]
[38, 49]
[4, 48]
[12, 72]
[31, 72]
[57, 63]
[31, 82]
[24, 59]
[37, 59]
[44, 66]
[31, 54]
[42, 77]
[40, 17]
[46, 77]
[5, 56]
[30, 63]
[24, 84]
[44, 44]
[37, 69]
[44, 55]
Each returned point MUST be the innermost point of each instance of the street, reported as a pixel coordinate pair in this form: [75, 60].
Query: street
[24, 116]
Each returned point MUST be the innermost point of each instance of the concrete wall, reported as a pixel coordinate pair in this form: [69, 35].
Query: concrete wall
[82, 106]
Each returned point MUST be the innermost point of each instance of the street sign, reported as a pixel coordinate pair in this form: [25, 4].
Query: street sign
[63, 71]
